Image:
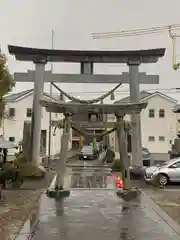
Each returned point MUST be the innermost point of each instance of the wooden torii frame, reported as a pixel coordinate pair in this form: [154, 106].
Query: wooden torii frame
[87, 59]
[120, 110]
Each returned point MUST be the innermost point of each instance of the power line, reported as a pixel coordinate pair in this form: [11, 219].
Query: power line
[136, 32]
[167, 90]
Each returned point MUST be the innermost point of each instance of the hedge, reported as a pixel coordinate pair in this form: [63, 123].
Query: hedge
[116, 165]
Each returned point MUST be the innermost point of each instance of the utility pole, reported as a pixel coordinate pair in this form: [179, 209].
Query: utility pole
[50, 114]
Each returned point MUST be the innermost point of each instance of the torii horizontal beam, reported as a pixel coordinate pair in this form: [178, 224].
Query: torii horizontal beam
[85, 78]
[94, 125]
[76, 108]
[113, 56]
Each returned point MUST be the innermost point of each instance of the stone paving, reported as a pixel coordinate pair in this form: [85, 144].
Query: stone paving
[93, 211]
[97, 214]
[54, 159]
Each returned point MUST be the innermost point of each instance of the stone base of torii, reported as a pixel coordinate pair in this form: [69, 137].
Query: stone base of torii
[119, 110]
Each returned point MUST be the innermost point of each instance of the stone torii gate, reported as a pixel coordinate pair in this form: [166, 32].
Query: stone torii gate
[86, 58]
[69, 109]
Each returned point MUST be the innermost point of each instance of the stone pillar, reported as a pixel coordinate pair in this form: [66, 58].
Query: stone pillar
[122, 142]
[36, 116]
[135, 118]
[61, 169]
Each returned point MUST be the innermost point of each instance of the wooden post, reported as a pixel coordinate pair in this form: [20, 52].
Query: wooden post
[61, 168]
[122, 142]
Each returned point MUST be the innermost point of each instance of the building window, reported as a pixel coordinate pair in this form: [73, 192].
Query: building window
[12, 139]
[151, 113]
[161, 113]
[11, 112]
[161, 138]
[29, 112]
[151, 138]
[93, 117]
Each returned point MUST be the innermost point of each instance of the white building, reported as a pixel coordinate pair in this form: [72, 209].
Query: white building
[19, 109]
[158, 123]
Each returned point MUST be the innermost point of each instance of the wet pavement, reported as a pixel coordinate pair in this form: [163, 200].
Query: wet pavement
[96, 214]
[89, 176]
[93, 211]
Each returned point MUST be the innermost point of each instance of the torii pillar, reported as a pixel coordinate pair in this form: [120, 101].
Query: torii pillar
[37, 110]
[136, 136]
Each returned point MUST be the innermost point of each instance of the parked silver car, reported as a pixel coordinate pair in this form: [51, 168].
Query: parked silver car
[166, 172]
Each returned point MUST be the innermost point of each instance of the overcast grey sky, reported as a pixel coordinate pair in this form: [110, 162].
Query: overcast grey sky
[30, 22]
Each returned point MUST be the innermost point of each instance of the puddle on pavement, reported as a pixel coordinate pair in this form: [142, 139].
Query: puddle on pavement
[91, 178]
[105, 218]
[80, 178]
[32, 225]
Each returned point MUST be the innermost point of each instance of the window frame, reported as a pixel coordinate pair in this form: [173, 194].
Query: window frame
[28, 111]
[151, 111]
[149, 140]
[12, 138]
[161, 113]
[10, 111]
[160, 140]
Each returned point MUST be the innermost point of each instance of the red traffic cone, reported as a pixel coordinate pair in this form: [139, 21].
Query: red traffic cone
[119, 182]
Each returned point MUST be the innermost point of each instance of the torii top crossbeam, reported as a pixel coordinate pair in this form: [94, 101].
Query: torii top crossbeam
[76, 108]
[49, 55]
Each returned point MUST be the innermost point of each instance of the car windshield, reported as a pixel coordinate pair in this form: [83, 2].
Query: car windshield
[87, 149]
[172, 161]
[145, 151]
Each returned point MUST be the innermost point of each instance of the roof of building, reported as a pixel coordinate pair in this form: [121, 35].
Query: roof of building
[145, 96]
[17, 96]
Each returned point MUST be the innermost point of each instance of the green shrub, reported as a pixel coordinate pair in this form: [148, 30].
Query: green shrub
[20, 159]
[28, 169]
[18, 154]
[116, 166]
[12, 174]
